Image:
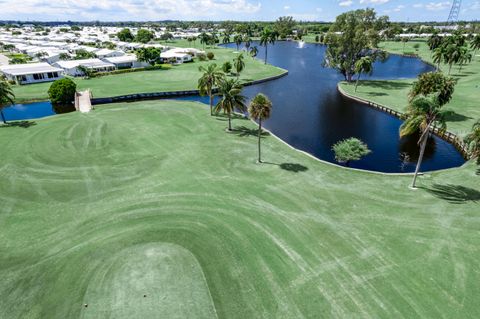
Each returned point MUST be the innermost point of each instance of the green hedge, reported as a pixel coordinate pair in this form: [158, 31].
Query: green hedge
[122, 71]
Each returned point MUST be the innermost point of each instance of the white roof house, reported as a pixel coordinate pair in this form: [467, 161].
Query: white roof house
[107, 53]
[177, 57]
[31, 72]
[71, 67]
[126, 61]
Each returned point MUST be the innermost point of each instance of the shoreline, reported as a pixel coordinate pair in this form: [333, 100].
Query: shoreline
[446, 136]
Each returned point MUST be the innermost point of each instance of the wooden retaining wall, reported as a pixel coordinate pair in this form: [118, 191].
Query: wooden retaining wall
[445, 135]
[171, 94]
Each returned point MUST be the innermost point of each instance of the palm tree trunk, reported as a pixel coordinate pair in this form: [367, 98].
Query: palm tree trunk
[420, 158]
[450, 68]
[358, 79]
[211, 104]
[438, 66]
[266, 53]
[229, 121]
[259, 138]
[3, 116]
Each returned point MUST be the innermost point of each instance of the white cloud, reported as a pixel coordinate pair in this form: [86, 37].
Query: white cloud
[132, 9]
[418, 5]
[399, 8]
[346, 3]
[319, 9]
[374, 1]
[438, 6]
[286, 8]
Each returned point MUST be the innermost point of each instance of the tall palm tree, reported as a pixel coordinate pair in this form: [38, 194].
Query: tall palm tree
[204, 39]
[232, 99]
[438, 56]
[210, 78]
[260, 109]
[267, 37]
[248, 42]
[464, 58]
[473, 141]
[253, 51]
[239, 64]
[475, 44]
[238, 39]
[7, 97]
[434, 41]
[363, 65]
[423, 113]
[226, 38]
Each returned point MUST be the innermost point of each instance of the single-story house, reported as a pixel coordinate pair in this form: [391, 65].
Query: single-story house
[71, 67]
[31, 72]
[175, 57]
[107, 53]
[128, 61]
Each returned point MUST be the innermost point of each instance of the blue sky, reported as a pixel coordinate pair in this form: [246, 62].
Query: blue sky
[139, 10]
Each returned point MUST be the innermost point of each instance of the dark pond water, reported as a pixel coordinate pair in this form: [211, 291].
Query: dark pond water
[311, 115]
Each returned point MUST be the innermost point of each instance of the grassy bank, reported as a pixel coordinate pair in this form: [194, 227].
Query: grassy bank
[166, 213]
[464, 108]
[180, 77]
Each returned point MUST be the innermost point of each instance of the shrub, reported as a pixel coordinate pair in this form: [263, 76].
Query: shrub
[202, 57]
[62, 91]
[351, 149]
[227, 67]
[210, 55]
[317, 38]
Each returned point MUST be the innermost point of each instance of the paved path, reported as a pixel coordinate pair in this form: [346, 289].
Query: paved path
[3, 60]
[84, 102]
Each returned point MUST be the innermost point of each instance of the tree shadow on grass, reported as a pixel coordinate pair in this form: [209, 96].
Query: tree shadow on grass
[376, 94]
[23, 124]
[452, 116]
[390, 85]
[244, 131]
[224, 117]
[455, 194]
[291, 167]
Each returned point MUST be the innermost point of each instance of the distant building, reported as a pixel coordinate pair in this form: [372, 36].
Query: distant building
[31, 72]
[97, 65]
[126, 62]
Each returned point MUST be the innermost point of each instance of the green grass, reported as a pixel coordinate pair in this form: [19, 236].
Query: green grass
[180, 77]
[155, 198]
[464, 108]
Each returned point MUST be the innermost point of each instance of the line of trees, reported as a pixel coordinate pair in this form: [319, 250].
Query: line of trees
[452, 50]
[231, 99]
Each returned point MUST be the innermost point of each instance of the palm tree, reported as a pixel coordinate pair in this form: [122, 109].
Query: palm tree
[204, 39]
[475, 44]
[7, 97]
[253, 51]
[464, 58]
[260, 109]
[239, 64]
[422, 114]
[231, 92]
[473, 141]
[210, 78]
[434, 41]
[363, 65]
[226, 38]
[266, 38]
[238, 39]
[438, 56]
[248, 42]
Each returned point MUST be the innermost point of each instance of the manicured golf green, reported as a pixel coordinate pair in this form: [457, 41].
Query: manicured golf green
[152, 210]
[464, 108]
[179, 77]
